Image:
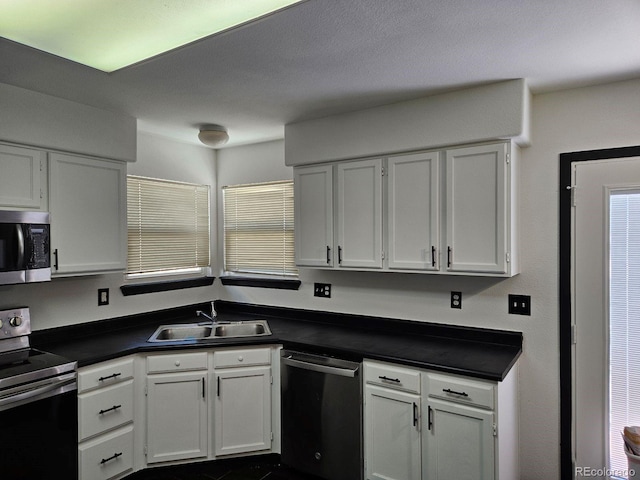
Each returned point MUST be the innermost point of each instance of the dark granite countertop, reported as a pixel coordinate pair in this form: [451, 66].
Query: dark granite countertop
[480, 353]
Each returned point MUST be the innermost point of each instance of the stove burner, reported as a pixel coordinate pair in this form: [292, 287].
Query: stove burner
[20, 364]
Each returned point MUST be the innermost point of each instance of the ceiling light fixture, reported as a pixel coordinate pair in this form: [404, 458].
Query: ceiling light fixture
[111, 35]
[213, 135]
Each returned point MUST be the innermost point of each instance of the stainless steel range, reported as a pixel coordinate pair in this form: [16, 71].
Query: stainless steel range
[38, 406]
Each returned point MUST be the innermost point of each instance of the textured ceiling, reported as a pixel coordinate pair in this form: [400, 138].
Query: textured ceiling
[330, 56]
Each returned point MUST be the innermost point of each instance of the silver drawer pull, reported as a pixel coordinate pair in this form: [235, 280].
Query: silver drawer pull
[448, 390]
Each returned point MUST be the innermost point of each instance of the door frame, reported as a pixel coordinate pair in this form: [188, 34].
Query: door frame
[564, 291]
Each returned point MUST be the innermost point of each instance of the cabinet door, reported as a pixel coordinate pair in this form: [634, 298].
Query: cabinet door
[392, 435]
[459, 442]
[176, 416]
[413, 207]
[359, 214]
[477, 209]
[22, 180]
[313, 201]
[242, 409]
[88, 215]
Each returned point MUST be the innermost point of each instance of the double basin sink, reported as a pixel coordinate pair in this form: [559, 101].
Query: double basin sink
[210, 331]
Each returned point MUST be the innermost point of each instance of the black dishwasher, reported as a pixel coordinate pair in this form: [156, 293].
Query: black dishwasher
[322, 415]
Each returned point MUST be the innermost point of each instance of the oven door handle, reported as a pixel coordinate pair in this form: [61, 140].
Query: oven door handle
[58, 385]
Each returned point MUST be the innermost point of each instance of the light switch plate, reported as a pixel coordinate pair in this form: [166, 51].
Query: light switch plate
[520, 304]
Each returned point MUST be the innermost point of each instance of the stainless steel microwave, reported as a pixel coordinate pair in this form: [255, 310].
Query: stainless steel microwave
[24, 247]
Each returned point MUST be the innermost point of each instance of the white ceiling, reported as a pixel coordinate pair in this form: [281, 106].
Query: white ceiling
[330, 56]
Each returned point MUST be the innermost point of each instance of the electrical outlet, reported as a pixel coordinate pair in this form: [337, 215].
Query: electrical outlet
[103, 296]
[456, 299]
[322, 290]
[520, 304]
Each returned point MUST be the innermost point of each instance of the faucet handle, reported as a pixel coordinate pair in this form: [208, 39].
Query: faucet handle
[214, 314]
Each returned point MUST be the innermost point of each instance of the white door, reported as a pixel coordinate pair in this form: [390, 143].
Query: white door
[176, 416]
[476, 209]
[392, 435]
[413, 211]
[359, 214]
[459, 442]
[313, 202]
[242, 406]
[597, 298]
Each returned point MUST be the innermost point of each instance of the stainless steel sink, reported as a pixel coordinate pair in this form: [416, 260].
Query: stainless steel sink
[167, 333]
[244, 329]
[199, 332]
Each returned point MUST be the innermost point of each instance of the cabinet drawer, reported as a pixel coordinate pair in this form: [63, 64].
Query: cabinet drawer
[392, 376]
[461, 390]
[242, 357]
[104, 374]
[107, 456]
[105, 409]
[177, 362]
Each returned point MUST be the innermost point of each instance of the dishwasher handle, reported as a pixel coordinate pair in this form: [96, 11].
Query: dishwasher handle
[327, 365]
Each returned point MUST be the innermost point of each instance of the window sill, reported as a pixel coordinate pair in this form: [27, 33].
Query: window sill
[279, 283]
[165, 285]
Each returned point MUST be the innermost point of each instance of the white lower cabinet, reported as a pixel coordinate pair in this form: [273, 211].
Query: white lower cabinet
[392, 433]
[108, 457]
[205, 404]
[106, 420]
[392, 440]
[242, 405]
[459, 442]
[433, 426]
[176, 407]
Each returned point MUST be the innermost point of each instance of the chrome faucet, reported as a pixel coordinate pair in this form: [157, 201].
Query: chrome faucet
[212, 317]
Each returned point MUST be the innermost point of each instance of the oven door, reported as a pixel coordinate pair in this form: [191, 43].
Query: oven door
[39, 431]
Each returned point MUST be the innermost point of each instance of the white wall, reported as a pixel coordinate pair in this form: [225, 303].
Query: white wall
[580, 119]
[58, 124]
[65, 301]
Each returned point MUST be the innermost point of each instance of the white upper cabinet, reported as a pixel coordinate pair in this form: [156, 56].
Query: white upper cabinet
[88, 215]
[444, 211]
[313, 199]
[413, 211]
[338, 215]
[23, 180]
[359, 214]
[477, 209]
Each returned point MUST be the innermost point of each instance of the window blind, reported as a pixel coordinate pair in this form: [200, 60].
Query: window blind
[168, 225]
[258, 228]
[624, 320]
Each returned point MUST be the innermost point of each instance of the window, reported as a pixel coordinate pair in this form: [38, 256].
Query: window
[624, 319]
[258, 229]
[168, 227]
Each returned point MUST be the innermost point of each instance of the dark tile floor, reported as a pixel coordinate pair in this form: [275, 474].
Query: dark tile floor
[235, 469]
